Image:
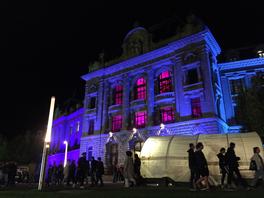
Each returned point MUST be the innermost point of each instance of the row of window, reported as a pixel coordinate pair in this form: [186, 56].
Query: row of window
[140, 119]
[140, 90]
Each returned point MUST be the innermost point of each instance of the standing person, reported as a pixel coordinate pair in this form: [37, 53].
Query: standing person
[93, 171]
[82, 166]
[99, 171]
[137, 164]
[202, 167]
[60, 173]
[222, 166]
[129, 169]
[192, 166]
[259, 172]
[72, 171]
[232, 164]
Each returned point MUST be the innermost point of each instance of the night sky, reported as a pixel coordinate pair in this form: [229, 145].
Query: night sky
[46, 46]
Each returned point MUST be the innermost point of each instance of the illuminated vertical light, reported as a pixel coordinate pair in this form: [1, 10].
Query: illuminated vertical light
[162, 126]
[66, 153]
[46, 145]
[48, 134]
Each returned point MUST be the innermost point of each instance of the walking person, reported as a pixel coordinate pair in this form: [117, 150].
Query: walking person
[259, 169]
[137, 164]
[99, 171]
[82, 166]
[202, 167]
[232, 164]
[72, 173]
[222, 166]
[129, 170]
[93, 171]
[192, 166]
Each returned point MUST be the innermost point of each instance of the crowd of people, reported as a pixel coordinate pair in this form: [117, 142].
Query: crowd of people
[92, 171]
[8, 172]
[228, 165]
[73, 173]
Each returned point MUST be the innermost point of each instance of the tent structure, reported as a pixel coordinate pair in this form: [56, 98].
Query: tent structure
[166, 156]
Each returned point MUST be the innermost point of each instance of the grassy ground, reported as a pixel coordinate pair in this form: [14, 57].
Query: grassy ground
[120, 192]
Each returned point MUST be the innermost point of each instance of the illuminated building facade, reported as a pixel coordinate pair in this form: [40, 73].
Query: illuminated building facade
[176, 82]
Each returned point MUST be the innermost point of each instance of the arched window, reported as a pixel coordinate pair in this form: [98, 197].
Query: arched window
[140, 89]
[165, 84]
[118, 94]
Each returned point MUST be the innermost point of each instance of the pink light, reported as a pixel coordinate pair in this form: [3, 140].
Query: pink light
[141, 88]
[167, 114]
[196, 107]
[140, 119]
[116, 123]
[118, 94]
[165, 84]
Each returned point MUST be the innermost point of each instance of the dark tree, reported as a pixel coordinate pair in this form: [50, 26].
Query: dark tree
[251, 106]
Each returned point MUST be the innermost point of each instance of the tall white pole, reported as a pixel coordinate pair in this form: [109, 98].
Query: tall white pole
[46, 145]
[66, 153]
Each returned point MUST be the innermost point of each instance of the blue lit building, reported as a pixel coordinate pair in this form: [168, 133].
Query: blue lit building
[177, 81]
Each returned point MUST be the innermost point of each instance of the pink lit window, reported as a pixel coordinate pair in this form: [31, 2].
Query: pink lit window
[165, 84]
[140, 119]
[196, 107]
[140, 89]
[167, 115]
[118, 93]
[116, 123]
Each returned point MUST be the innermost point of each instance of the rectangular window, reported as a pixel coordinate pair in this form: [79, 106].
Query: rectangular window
[78, 126]
[118, 94]
[91, 127]
[71, 129]
[116, 123]
[140, 89]
[165, 84]
[89, 152]
[167, 115]
[92, 102]
[237, 86]
[196, 107]
[140, 119]
[192, 76]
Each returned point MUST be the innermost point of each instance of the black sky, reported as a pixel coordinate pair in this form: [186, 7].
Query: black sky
[46, 45]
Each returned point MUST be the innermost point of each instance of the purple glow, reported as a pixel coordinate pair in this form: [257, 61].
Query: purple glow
[59, 157]
[91, 127]
[140, 119]
[116, 123]
[196, 107]
[167, 114]
[118, 93]
[165, 84]
[141, 88]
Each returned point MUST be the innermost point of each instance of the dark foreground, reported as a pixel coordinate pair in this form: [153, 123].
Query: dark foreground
[116, 191]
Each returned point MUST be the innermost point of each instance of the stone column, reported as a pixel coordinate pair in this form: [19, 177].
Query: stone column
[178, 79]
[150, 97]
[105, 119]
[208, 104]
[84, 118]
[99, 107]
[125, 102]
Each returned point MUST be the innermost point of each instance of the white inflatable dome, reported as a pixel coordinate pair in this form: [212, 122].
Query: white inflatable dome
[166, 156]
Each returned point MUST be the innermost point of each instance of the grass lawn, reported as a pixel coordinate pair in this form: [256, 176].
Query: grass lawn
[120, 192]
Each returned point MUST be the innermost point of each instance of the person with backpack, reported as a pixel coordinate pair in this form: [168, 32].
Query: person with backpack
[259, 166]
